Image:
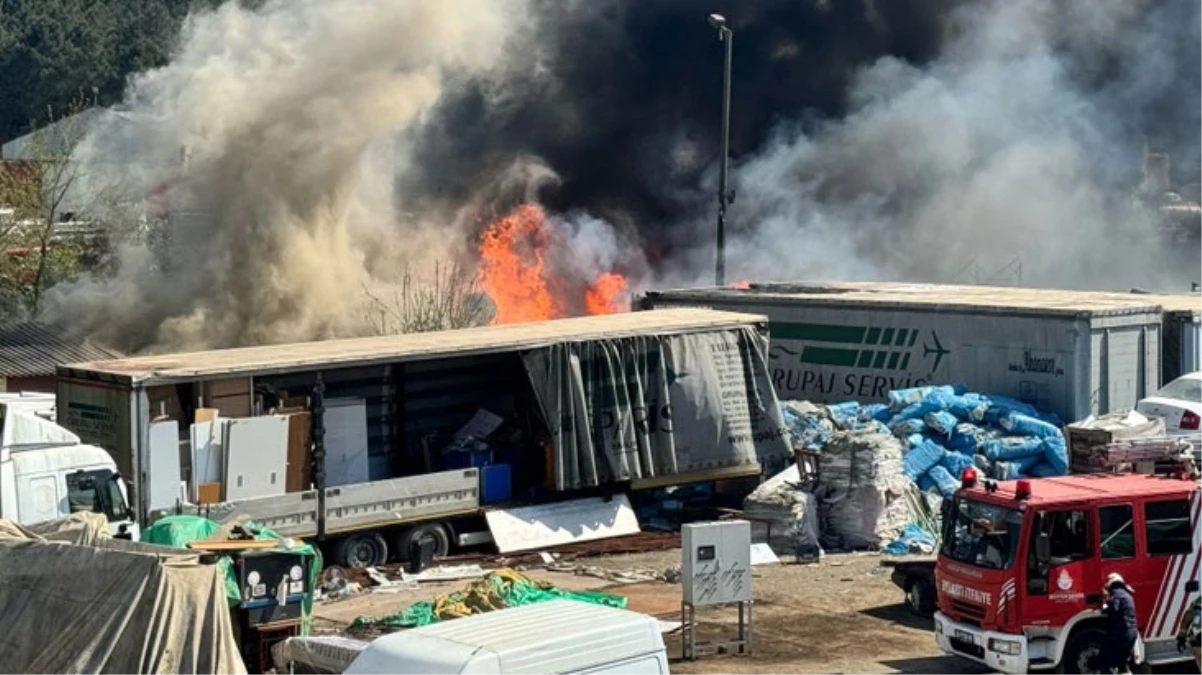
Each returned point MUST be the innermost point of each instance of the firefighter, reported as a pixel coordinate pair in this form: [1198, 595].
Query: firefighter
[1190, 633]
[1121, 632]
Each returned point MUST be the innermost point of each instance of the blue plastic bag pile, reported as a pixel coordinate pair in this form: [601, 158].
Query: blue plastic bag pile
[946, 429]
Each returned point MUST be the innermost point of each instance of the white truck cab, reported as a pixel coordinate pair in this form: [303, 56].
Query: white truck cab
[46, 473]
[557, 636]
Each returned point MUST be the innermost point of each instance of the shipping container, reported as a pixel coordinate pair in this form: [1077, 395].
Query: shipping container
[1181, 348]
[1067, 352]
[586, 404]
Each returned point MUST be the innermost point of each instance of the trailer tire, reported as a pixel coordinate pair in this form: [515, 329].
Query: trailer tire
[366, 549]
[920, 597]
[1084, 645]
[436, 531]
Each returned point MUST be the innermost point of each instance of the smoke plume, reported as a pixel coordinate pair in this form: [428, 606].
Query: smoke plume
[926, 140]
[288, 120]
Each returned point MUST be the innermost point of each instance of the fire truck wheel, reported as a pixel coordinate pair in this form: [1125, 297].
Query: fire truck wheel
[434, 531]
[366, 549]
[1082, 648]
[920, 597]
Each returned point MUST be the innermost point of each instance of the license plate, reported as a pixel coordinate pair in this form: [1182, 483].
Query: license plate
[963, 636]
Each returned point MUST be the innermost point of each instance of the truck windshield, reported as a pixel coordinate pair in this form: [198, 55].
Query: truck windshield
[97, 491]
[981, 534]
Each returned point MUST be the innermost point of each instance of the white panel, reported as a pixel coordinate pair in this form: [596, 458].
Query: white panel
[256, 457]
[207, 454]
[716, 562]
[163, 469]
[347, 460]
[543, 526]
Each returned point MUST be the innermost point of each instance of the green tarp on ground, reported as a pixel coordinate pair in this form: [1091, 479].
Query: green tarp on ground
[500, 589]
[179, 531]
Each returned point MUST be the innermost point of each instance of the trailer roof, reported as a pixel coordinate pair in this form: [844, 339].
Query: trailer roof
[270, 359]
[988, 299]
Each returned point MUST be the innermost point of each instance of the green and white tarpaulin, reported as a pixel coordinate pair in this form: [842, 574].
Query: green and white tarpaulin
[646, 407]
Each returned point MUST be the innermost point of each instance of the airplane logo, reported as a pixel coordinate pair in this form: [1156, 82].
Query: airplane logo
[937, 350]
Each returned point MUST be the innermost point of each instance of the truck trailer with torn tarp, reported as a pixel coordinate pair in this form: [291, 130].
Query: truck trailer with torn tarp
[573, 407]
[1074, 353]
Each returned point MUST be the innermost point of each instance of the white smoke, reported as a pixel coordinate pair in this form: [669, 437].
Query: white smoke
[293, 120]
[992, 164]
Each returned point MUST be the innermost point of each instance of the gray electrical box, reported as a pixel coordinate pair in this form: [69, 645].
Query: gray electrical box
[715, 562]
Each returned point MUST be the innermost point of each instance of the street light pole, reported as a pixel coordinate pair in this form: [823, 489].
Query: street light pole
[725, 197]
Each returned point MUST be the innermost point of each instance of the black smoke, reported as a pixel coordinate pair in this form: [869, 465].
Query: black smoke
[621, 97]
[627, 110]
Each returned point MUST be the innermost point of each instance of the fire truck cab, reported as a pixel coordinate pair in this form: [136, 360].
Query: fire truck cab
[1022, 565]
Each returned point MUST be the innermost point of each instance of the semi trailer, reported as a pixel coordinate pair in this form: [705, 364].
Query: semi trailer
[584, 408]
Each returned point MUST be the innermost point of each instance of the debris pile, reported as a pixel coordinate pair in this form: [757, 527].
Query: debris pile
[498, 589]
[788, 512]
[873, 460]
[944, 430]
[1112, 442]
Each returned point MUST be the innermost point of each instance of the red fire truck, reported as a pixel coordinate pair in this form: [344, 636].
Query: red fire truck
[1022, 565]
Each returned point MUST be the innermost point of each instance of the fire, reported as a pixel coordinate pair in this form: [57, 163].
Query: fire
[606, 294]
[517, 273]
[742, 284]
[512, 252]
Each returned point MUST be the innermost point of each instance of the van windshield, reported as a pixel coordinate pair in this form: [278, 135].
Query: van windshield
[980, 534]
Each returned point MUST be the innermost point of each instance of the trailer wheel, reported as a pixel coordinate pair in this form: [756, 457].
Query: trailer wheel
[1083, 647]
[366, 549]
[920, 597]
[436, 531]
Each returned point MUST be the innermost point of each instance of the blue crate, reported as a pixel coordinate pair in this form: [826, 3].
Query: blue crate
[496, 483]
[464, 459]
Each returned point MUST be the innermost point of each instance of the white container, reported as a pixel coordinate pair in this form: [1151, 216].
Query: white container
[558, 636]
[1068, 352]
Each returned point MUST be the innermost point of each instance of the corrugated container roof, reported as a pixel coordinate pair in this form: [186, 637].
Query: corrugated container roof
[941, 296]
[165, 368]
[557, 636]
[35, 350]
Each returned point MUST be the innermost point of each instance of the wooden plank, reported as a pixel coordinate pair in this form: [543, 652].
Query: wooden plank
[298, 452]
[205, 415]
[234, 544]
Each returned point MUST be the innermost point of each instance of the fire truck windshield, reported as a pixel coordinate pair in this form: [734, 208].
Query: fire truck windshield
[981, 534]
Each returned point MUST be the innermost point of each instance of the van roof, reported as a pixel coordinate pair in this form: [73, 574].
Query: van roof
[1085, 487]
[557, 636]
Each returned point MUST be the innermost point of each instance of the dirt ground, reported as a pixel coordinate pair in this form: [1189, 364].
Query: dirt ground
[842, 615]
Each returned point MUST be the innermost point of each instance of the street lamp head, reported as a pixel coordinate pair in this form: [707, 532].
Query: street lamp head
[717, 21]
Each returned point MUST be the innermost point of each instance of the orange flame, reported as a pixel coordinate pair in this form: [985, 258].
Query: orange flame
[742, 284]
[606, 294]
[511, 267]
[515, 274]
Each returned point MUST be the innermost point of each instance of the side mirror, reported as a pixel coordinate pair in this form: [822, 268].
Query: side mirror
[1043, 548]
[1191, 586]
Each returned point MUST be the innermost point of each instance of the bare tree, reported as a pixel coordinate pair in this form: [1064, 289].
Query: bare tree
[450, 300]
[34, 188]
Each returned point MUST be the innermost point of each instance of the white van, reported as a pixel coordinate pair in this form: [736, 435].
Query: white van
[558, 636]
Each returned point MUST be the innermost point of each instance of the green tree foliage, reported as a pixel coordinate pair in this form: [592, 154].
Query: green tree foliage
[50, 50]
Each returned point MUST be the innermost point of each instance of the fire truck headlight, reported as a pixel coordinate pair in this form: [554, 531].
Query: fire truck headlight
[1011, 647]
